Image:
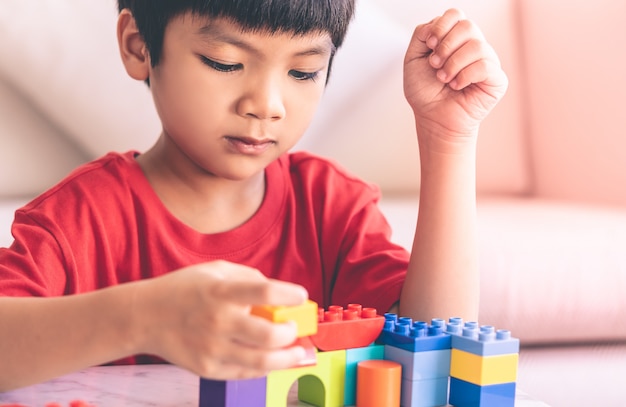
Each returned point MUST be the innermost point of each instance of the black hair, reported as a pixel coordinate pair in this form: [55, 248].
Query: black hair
[282, 16]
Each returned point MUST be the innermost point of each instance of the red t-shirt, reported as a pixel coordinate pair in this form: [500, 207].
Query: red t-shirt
[104, 225]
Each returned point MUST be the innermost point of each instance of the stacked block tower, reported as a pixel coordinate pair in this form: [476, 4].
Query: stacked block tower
[464, 364]
[483, 367]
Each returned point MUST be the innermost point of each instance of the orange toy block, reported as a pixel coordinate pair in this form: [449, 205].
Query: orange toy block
[304, 315]
[378, 383]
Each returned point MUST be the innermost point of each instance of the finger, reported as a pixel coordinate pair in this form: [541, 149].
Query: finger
[472, 51]
[485, 72]
[417, 46]
[261, 360]
[236, 362]
[252, 330]
[441, 26]
[462, 32]
[261, 292]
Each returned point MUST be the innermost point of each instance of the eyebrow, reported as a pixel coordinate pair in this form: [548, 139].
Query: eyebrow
[213, 33]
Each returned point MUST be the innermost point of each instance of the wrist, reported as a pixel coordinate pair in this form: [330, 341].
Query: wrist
[137, 320]
[439, 139]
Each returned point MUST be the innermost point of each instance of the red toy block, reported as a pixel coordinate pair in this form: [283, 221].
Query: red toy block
[353, 327]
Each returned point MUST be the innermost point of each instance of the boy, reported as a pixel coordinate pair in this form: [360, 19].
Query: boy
[163, 253]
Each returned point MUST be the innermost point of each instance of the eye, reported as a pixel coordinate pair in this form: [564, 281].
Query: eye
[219, 66]
[303, 76]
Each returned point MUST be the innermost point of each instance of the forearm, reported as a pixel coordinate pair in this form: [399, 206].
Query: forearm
[443, 276]
[46, 337]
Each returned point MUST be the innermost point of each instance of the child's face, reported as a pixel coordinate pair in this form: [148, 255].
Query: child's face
[231, 101]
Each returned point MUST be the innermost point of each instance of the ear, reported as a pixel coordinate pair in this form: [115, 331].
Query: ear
[135, 55]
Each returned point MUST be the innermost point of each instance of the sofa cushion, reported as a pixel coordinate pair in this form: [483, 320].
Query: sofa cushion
[33, 153]
[551, 272]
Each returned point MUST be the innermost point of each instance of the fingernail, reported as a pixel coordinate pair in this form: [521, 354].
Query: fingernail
[304, 293]
[300, 352]
[435, 60]
[432, 42]
[441, 74]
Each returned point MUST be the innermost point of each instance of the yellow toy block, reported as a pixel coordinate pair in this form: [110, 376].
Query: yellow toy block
[321, 385]
[483, 370]
[305, 315]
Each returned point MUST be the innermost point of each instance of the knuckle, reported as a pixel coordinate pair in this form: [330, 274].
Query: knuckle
[478, 46]
[264, 292]
[207, 369]
[466, 26]
[267, 336]
[264, 361]
[455, 13]
[445, 48]
[217, 322]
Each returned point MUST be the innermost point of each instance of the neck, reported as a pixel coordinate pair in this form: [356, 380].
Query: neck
[207, 203]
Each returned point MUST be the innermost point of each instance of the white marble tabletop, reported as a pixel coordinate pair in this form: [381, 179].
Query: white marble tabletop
[134, 386]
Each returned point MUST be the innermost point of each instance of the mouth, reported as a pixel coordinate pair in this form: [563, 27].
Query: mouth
[249, 145]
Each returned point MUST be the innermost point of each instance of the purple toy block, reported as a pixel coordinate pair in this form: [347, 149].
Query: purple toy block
[424, 393]
[485, 341]
[416, 336]
[465, 394]
[233, 393]
[430, 364]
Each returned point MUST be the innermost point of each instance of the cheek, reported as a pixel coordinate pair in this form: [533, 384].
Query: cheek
[184, 103]
[304, 104]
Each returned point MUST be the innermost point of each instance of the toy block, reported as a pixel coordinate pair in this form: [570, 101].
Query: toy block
[425, 393]
[336, 389]
[353, 327]
[485, 341]
[304, 315]
[379, 383]
[420, 365]
[455, 326]
[232, 393]
[483, 370]
[319, 385]
[353, 357]
[415, 336]
[465, 394]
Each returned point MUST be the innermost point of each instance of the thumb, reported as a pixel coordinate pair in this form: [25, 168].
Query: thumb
[418, 47]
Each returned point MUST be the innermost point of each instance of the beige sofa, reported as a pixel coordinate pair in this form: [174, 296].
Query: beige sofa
[551, 166]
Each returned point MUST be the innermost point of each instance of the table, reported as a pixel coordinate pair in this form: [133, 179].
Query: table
[135, 386]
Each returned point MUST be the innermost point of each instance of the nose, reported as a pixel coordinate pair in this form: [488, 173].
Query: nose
[262, 99]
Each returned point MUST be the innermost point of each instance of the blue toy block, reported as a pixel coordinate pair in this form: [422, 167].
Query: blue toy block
[431, 364]
[485, 341]
[424, 393]
[233, 393]
[353, 357]
[465, 394]
[416, 336]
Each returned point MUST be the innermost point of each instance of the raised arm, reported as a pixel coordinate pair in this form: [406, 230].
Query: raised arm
[452, 80]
